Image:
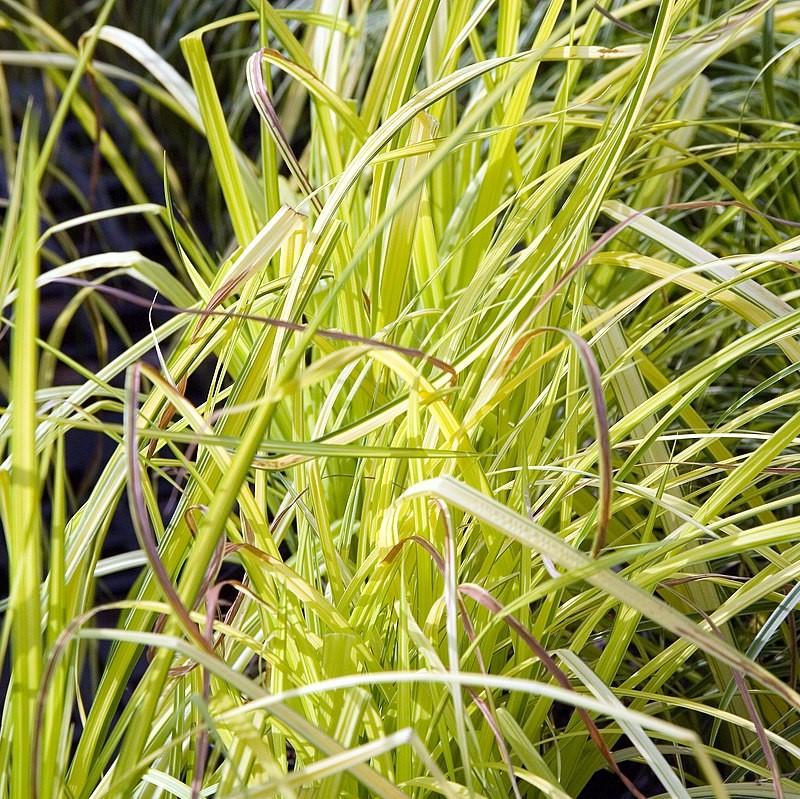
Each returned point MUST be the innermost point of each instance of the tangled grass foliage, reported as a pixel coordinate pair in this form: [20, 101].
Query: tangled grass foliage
[480, 427]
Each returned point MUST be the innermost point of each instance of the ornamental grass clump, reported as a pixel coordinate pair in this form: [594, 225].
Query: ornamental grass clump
[457, 419]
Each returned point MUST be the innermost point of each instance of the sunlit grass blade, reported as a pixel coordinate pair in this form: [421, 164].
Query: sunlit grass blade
[23, 536]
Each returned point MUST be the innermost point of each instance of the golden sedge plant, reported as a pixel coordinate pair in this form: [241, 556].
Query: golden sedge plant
[479, 426]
